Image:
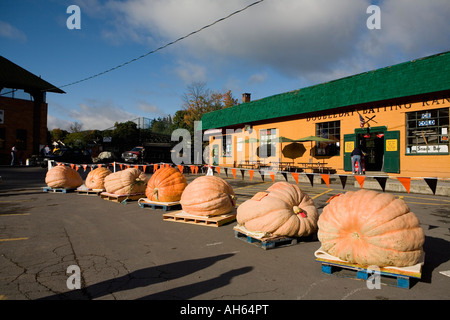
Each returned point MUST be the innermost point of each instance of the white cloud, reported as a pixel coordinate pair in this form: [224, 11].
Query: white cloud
[93, 114]
[258, 78]
[101, 115]
[9, 31]
[309, 40]
[190, 72]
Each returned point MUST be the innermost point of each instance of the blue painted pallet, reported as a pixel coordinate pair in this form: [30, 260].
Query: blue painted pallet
[60, 190]
[266, 242]
[384, 276]
[166, 206]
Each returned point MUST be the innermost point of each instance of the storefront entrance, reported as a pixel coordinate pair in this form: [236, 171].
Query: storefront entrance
[381, 146]
[373, 145]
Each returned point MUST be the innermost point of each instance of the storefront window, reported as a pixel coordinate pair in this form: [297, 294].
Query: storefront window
[226, 145]
[328, 130]
[427, 131]
[267, 148]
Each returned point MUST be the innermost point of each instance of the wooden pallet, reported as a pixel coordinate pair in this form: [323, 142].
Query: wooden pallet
[181, 216]
[120, 198]
[90, 192]
[60, 190]
[388, 276]
[266, 242]
[166, 206]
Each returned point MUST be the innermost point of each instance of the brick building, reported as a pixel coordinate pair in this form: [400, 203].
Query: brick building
[23, 111]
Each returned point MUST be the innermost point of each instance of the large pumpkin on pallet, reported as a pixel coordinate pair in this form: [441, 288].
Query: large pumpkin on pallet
[371, 228]
[126, 182]
[208, 196]
[63, 177]
[96, 178]
[282, 210]
[166, 185]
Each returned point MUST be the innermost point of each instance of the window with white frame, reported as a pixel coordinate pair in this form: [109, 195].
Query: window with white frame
[267, 144]
[427, 132]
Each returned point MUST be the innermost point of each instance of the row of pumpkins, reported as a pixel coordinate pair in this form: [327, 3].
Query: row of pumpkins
[363, 227]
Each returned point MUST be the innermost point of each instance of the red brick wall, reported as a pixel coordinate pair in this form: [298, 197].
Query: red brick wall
[18, 114]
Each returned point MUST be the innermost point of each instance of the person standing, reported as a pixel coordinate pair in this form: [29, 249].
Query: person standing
[356, 157]
[13, 154]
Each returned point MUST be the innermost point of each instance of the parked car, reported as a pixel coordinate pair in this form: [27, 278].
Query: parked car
[135, 155]
[69, 155]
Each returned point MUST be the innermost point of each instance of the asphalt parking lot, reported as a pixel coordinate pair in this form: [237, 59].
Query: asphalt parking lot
[125, 252]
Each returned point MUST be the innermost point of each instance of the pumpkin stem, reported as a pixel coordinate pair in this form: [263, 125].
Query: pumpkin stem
[155, 191]
[298, 210]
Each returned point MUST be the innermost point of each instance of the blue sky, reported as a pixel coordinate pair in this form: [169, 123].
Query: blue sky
[272, 47]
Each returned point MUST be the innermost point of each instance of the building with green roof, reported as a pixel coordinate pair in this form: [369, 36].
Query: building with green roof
[399, 114]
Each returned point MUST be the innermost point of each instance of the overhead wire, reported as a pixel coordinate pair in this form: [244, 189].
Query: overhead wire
[160, 48]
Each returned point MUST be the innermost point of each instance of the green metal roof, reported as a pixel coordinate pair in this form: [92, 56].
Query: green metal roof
[15, 77]
[425, 75]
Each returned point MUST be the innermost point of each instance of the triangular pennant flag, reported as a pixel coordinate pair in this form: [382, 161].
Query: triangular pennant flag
[120, 165]
[218, 170]
[382, 182]
[192, 169]
[226, 171]
[234, 172]
[326, 178]
[242, 173]
[406, 182]
[250, 172]
[311, 178]
[155, 167]
[343, 181]
[72, 165]
[432, 182]
[144, 167]
[84, 166]
[295, 176]
[272, 175]
[261, 172]
[284, 175]
[78, 167]
[180, 167]
[196, 169]
[136, 166]
[360, 180]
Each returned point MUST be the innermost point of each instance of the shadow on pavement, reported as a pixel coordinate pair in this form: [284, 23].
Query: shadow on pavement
[157, 274]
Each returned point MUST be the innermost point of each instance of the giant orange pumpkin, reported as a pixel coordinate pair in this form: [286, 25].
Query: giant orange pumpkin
[208, 196]
[63, 177]
[126, 182]
[371, 228]
[96, 178]
[166, 185]
[282, 210]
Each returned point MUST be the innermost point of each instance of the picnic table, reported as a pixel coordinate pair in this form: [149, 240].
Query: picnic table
[320, 166]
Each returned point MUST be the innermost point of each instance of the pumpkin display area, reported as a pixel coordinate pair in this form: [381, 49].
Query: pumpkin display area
[208, 196]
[282, 210]
[367, 228]
[96, 178]
[63, 177]
[166, 185]
[126, 182]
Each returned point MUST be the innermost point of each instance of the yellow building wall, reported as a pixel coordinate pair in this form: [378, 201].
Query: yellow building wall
[393, 117]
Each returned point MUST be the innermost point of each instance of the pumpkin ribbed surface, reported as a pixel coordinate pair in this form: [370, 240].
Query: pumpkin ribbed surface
[126, 182]
[371, 228]
[166, 185]
[283, 210]
[208, 196]
[96, 178]
[63, 177]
